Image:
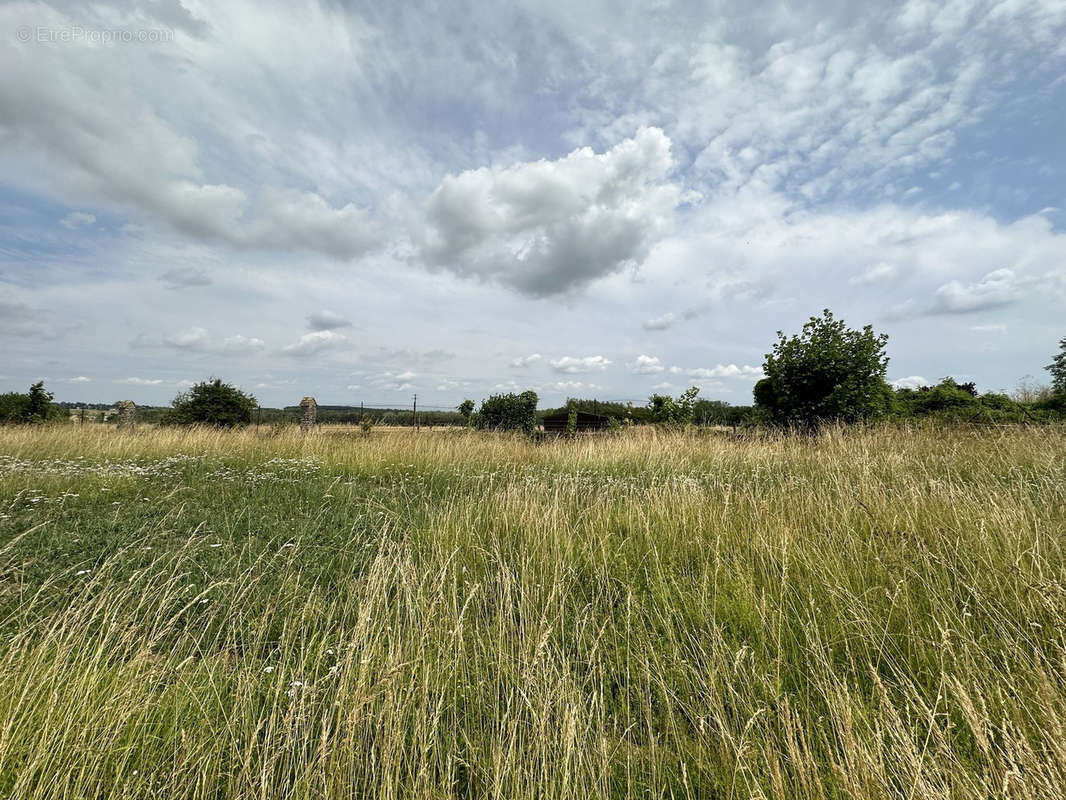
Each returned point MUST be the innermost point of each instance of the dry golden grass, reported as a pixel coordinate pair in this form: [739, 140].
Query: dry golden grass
[439, 614]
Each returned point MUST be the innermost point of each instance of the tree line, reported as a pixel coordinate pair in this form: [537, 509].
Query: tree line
[827, 373]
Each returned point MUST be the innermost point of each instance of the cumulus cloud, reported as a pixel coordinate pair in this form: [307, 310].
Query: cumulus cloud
[185, 277]
[547, 227]
[313, 343]
[524, 361]
[878, 273]
[287, 219]
[571, 365]
[719, 371]
[197, 339]
[910, 382]
[241, 344]
[998, 288]
[665, 322]
[567, 386]
[78, 219]
[326, 320]
[142, 381]
[646, 365]
[79, 379]
[189, 339]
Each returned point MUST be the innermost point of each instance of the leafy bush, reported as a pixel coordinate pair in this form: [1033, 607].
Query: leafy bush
[949, 400]
[35, 406]
[212, 403]
[1057, 368]
[665, 410]
[509, 412]
[826, 373]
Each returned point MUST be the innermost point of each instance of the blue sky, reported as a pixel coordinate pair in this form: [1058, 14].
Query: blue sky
[364, 201]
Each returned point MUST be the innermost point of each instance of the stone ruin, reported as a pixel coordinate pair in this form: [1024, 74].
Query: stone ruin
[309, 411]
[127, 415]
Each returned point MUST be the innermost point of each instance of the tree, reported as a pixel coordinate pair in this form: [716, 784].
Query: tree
[39, 402]
[668, 411]
[13, 407]
[465, 409]
[34, 406]
[827, 373]
[1057, 368]
[212, 403]
[509, 412]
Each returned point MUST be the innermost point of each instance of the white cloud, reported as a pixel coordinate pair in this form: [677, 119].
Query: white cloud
[997, 288]
[570, 364]
[312, 343]
[287, 219]
[79, 379]
[200, 340]
[195, 338]
[720, 371]
[547, 227]
[567, 386]
[645, 365]
[998, 328]
[525, 361]
[326, 320]
[78, 219]
[242, 344]
[142, 381]
[665, 322]
[878, 273]
[910, 382]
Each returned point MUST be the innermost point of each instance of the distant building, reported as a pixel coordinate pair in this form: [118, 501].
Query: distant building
[586, 422]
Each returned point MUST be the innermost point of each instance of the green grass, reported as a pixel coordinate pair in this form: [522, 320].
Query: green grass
[452, 614]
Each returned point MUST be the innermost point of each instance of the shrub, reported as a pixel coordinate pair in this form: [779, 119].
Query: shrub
[34, 406]
[665, 410]
[465, 409]
[509, 412]
[212, 403]
[826, 373]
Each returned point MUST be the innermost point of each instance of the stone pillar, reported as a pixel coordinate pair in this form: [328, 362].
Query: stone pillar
[309, 411]
[127, 415]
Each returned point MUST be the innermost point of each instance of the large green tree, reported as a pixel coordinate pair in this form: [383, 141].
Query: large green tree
[212, 403]
[509, 412]
[828, 372]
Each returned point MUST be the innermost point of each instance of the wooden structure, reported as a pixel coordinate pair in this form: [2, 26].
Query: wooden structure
[587, 422]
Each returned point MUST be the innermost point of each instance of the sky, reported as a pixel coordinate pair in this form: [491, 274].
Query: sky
[367, 201]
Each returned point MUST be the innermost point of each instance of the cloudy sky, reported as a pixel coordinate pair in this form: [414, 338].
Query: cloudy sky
[364, 201]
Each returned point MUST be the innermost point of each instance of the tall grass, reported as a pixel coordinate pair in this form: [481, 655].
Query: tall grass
[452, 614]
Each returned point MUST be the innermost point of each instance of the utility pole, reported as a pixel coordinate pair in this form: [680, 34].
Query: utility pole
[414, 412]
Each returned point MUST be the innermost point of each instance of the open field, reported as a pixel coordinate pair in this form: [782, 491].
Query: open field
[453, 614]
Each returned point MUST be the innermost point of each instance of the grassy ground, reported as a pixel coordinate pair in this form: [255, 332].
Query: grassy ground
[451, 614]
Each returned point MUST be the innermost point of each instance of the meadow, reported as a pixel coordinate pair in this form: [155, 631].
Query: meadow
[447, 614]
